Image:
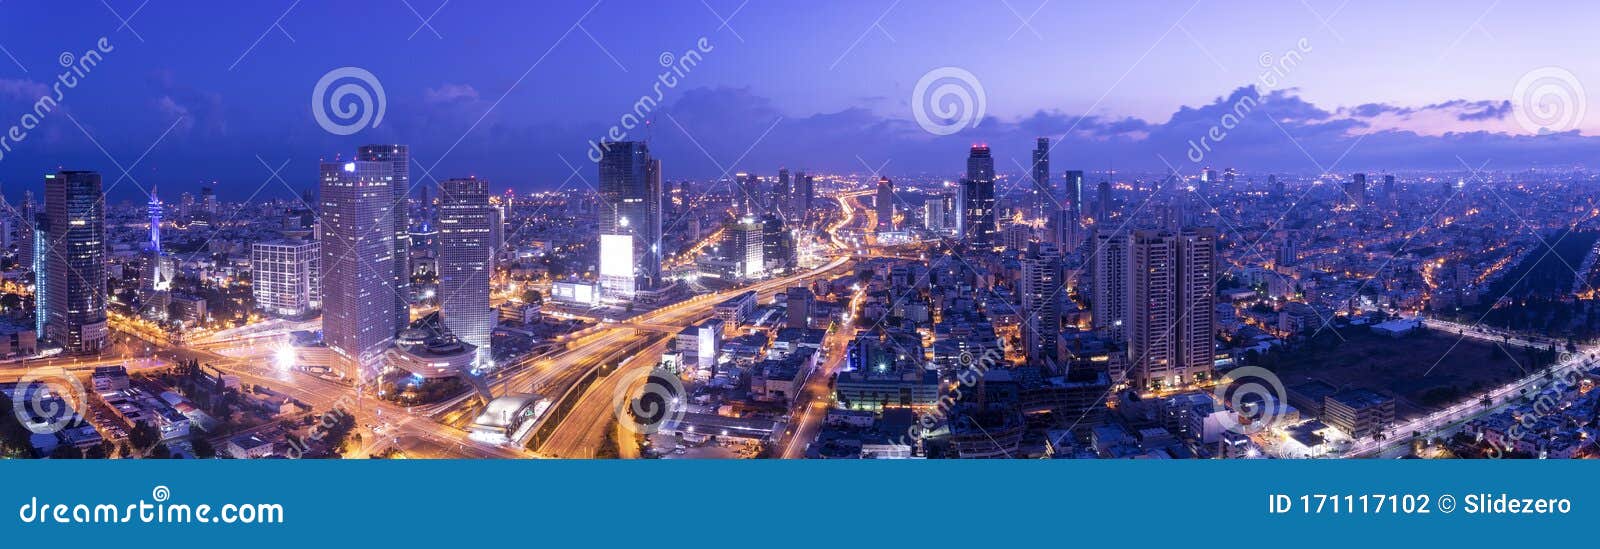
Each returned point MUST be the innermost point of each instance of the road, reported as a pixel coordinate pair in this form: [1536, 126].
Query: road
[584, 428]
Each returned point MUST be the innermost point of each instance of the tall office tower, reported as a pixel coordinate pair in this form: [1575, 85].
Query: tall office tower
[358, 255]
[1043, 201]
[1172, 338]
[26, 253]
[286, 276]
[1391, 195]
[742, 242]
[933, 214]
[743, 194]
[805, 192]
[797, 301]
[71, 242]
[1208, 180]
[1277, 186]
[399, 159]
[978, 217]
[1112, 275]
[208, 204]
[466, 259]
[783, 194]
[186, 208]
[884, 203]
[630, 206]
[1228, 176]
[1072, 185]
[1355, 190]
[1102, 217]
[497, 227]
[777, 247]
[1041, 295]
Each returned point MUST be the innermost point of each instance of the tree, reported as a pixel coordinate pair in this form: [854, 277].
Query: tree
[532, 295]
[66, 451]
[203, 448]
[161, 451]
[144, 435]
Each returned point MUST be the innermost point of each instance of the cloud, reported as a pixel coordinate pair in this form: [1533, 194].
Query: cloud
[450, 93]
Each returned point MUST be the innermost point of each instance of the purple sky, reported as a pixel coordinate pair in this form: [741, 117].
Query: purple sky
[513, 91]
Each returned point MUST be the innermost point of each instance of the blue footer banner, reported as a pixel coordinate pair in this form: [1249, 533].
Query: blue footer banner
[781, 503]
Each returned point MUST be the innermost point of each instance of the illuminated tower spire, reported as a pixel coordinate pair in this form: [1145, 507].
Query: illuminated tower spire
[155, 221]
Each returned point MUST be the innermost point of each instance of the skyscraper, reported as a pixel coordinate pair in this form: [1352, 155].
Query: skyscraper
[783, 193]
[804, 193]
[72, 246]
[630, 205]
[358, 254]
[286, 276]
[1112, 275]
[1355, 190]
[777, 247]
[1391, 195]
[1042, 195]
[465, 227]
[26, 253]
[399, 159]
[1041, 280]
[1171, 338]
[978, 218]
[1103, 204]
[885, 204]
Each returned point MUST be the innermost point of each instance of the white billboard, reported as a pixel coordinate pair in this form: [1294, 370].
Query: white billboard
[616, 255]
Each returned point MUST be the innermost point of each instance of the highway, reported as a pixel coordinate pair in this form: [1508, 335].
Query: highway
[583, 429]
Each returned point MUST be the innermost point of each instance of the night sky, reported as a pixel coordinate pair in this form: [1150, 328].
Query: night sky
[513, 91]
